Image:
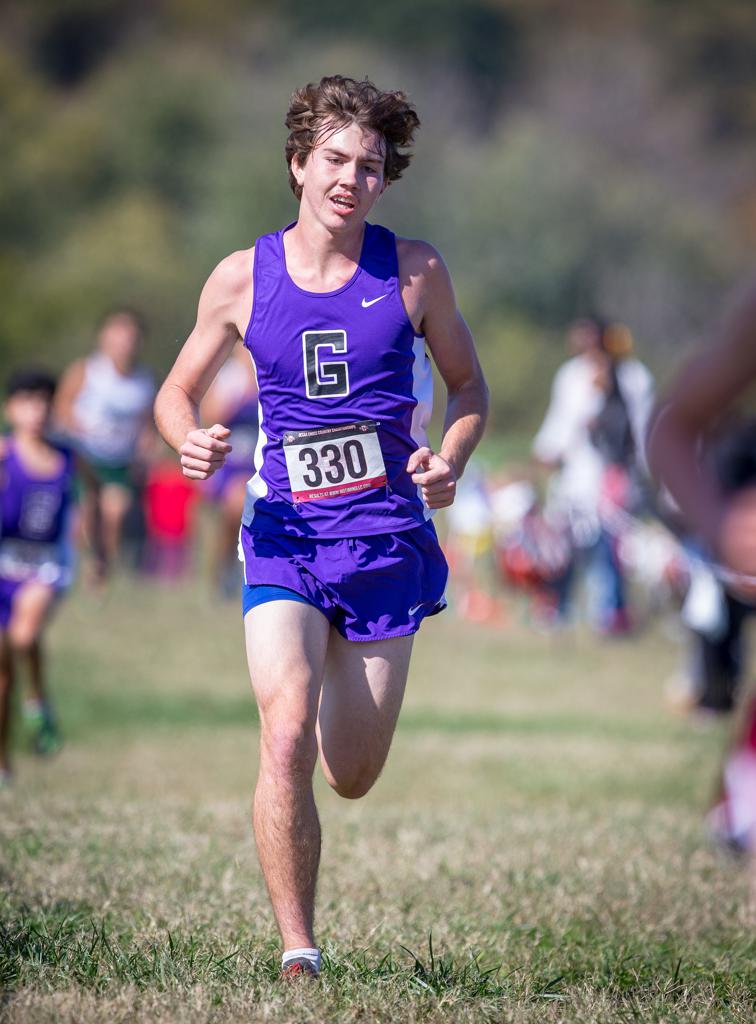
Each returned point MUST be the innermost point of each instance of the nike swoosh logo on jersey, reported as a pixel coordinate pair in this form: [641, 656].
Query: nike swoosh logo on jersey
[371, 302]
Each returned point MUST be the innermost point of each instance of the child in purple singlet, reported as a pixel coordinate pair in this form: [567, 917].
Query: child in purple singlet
[36, 481]
[341, 560]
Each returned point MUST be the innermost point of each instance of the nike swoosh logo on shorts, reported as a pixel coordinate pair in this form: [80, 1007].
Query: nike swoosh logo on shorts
[416, 608]
[371, 302]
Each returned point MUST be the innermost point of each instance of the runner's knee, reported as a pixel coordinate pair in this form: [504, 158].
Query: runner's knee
[288, 749]
[352, 785]
[21, 637]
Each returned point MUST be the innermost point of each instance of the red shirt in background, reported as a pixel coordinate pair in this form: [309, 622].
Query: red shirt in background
[169, 499]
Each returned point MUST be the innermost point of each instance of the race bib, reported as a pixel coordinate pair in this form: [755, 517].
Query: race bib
[331, 461]
[22, 560]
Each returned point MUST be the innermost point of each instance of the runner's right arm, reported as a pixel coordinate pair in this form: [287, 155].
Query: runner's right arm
[65, 397]
[222, 314]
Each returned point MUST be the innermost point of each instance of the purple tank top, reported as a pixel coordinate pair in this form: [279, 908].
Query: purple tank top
[33, 508]
[345, 397]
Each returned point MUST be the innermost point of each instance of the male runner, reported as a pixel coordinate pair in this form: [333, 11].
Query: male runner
[341, 561]
[103, 405]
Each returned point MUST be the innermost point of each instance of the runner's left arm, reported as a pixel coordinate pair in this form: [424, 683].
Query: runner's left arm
[451, 344]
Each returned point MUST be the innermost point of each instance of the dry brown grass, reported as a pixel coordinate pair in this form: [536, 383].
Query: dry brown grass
[539, 810]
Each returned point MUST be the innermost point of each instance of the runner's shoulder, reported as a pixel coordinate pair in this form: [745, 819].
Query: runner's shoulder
[417, 257]
[232, 277]
[424, 277]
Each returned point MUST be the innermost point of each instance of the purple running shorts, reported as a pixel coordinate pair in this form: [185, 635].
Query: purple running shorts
[369, 588]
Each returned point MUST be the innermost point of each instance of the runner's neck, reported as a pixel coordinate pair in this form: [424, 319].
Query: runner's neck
[36, 455]
[319, 261]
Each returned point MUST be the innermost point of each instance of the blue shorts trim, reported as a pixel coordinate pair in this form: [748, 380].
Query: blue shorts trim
[262, 593]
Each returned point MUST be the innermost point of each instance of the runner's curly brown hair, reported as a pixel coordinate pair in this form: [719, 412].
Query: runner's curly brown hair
[337, 101]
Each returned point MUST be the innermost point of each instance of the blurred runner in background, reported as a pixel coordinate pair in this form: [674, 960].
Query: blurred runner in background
[104, 404]
[723, 518]
[592, 440]
[36, 563]
[232, 400]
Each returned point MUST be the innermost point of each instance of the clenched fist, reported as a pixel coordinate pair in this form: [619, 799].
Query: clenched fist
[437, 479]
[204, 451]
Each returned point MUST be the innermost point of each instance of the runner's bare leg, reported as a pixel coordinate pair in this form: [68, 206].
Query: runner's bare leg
[6, 694]
[286, 650]
[362, 695]
[31, 608]
[114, 503]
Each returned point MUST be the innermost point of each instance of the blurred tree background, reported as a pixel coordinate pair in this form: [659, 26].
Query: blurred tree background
[573, 156]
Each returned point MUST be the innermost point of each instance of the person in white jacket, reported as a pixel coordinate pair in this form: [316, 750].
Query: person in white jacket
[592, 438]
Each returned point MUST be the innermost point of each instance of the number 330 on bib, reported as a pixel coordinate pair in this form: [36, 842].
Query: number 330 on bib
[327, 462]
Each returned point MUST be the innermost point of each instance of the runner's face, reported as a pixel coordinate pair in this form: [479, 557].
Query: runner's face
[119, 339]
[583, 337]
[28, 411]
[343, 176]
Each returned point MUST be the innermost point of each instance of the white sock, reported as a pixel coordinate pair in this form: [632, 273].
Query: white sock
[312, 956]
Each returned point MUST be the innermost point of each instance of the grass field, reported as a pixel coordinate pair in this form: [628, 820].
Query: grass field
[533, 851]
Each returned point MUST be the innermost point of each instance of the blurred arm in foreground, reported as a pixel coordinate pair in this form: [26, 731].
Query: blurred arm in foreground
[705, 388]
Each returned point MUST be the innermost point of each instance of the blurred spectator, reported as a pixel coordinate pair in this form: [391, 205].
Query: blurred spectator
[36, 487]
[469, 550]
[232, 400]
[104, 404]
[533, 554]
[592, 440]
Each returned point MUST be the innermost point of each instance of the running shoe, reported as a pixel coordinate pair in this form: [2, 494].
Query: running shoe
[47, 740]
[300, 968]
